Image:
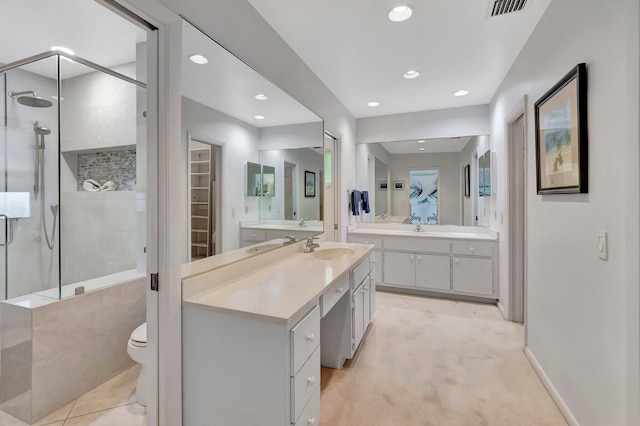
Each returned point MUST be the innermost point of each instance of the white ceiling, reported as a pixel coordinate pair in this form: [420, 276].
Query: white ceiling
[429, 145]
[30, 27]
[228, 85]
[360, 55]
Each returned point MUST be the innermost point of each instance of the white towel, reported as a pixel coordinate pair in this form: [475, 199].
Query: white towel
[108, 186]
[91, 185]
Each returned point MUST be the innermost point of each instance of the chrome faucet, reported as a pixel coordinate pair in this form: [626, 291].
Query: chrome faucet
[310, 245]
[302, 224]
[418, 227]
[292, 239]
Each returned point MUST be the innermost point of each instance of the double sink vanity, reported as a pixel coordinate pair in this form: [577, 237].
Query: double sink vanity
[256, 332]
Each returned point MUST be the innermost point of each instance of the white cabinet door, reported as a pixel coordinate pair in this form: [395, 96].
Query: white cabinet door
[399, 269]
[366, 294]
[433, 272]
[372, 297]
[473, 276]
[358, 316]
[377, 256]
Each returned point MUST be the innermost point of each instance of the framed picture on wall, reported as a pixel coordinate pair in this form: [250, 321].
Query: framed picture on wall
[561, 136]
[309, 184]
[398, 185]
[382, 186]
[467, 181]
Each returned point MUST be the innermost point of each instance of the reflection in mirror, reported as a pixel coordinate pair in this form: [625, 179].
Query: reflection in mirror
[425, 181]
[234, 121]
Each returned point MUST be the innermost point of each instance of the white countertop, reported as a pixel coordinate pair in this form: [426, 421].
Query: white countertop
[406, 231]
[280, 290]
[268, 226]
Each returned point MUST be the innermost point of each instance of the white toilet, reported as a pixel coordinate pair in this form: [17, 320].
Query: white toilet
[137, 350]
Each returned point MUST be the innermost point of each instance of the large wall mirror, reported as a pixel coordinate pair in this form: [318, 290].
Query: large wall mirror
[248, 146]
[443, 181]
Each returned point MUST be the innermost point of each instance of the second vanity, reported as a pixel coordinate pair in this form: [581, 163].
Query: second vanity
[256, 332]
[448, 260]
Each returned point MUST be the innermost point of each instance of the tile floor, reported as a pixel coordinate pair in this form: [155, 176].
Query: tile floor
[112, 403]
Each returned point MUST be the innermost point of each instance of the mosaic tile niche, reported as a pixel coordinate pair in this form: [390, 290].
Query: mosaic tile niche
[116, 165]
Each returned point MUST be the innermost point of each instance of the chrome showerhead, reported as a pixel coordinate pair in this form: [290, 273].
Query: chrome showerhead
[32, 101]
[41, 131]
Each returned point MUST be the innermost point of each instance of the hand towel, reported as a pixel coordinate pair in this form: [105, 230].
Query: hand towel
[365, 202]
[91, 185]
[108, 186]
[356, 197]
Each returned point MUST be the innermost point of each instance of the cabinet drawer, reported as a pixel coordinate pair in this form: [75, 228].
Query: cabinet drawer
[305, 384]
[311, 414]
[335, 292]
[423, 244]
[305, 337]
[253, 235]
[473, 248]
[360, 272]
[362, 239]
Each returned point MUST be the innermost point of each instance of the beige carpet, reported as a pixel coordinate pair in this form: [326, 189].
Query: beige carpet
[437, 362]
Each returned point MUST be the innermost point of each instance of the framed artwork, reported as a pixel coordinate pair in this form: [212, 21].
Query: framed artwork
[398, 185]
[467, 181]
[561, 136]
[309, 184]
[382, 186]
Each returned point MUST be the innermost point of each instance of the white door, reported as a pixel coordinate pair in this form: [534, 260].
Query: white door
[399, 269]
[433, 272]
[473, 276]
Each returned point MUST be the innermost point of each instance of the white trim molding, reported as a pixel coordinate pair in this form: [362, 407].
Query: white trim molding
[564, 408]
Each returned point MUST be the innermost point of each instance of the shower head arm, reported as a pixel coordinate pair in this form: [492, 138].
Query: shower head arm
[18, 94]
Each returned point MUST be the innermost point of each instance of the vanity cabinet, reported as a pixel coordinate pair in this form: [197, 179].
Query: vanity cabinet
[449, 265]
[363, 294]
[267, 371]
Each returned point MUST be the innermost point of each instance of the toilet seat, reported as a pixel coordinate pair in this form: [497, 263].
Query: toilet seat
[139, 336]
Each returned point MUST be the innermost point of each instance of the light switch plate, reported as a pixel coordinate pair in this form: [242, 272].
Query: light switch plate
[601, 245]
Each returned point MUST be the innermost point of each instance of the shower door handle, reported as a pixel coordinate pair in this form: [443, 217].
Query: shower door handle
[8, 230]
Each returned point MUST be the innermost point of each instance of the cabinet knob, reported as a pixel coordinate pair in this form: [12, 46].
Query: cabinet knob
[311, 421]
[311, 380]
[366, 288]
[457, 260]
[411, 257]
[339, 290]
[311, 337]
[419, 257]
[472, 249]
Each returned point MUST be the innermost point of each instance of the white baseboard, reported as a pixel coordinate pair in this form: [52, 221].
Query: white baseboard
[502, 311]
[564, 409]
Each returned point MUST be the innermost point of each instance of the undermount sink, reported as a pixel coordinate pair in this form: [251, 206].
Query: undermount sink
[260, 249]
[332, 254]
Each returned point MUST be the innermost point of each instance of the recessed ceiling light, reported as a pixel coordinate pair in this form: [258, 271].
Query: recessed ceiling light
[461, 93]
[373, 104]
[261, 97]
[421, 149]
[421, 141]
[63, 50]
[198, 59]
[400, 13]
[411, 74]
[259, 117]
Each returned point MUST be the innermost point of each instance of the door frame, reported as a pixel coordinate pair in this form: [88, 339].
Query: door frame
[516, 224]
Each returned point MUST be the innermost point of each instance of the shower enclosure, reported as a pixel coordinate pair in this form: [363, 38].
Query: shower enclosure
[67, 121]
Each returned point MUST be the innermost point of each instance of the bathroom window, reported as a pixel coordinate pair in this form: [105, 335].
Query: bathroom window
[424, 195]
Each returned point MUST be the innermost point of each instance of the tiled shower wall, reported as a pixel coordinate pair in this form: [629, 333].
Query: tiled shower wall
[117, 165]
[53, 351]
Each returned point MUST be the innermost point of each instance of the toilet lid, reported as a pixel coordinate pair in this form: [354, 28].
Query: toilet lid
[139, 335]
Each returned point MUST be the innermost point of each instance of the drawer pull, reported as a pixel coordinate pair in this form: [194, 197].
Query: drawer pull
[311, 380]
[311, 421]
[311, 337]
[339, 290]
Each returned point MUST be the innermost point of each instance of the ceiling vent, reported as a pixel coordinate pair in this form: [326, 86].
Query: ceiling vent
[502, 7]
